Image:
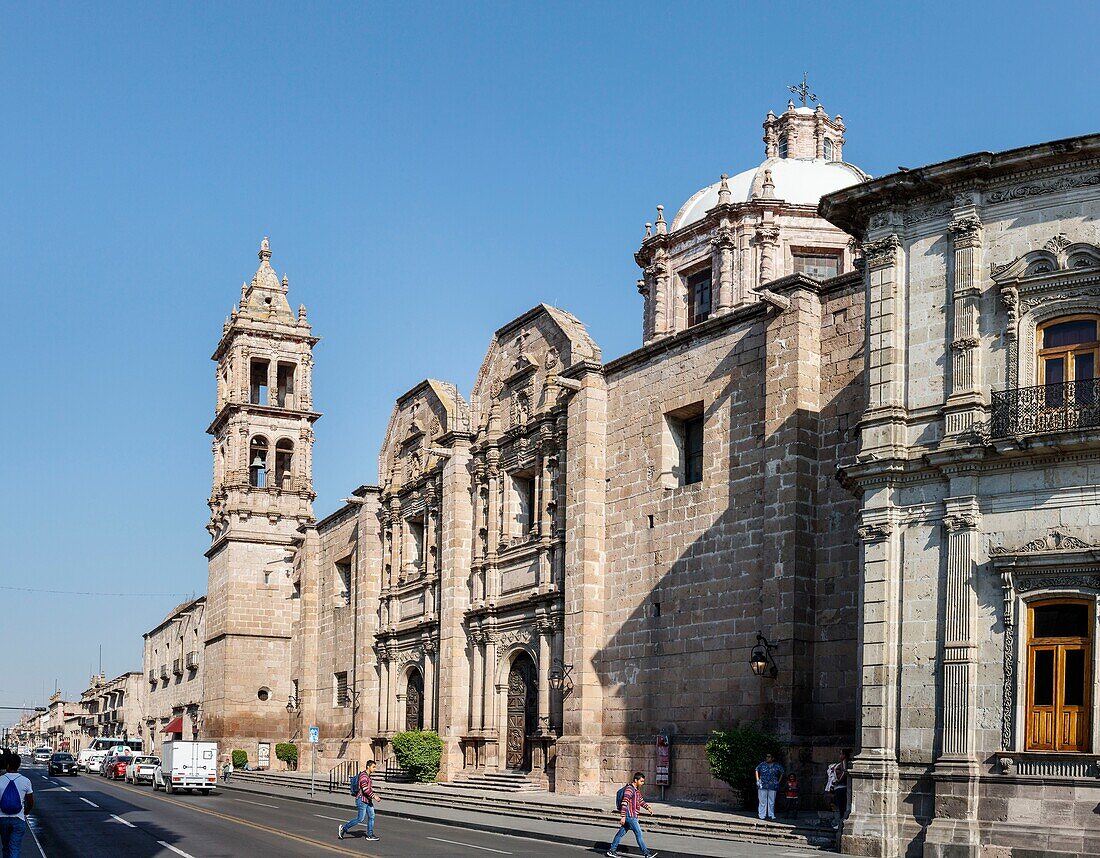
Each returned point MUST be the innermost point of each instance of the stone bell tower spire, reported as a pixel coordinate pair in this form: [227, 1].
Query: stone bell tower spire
[262, 493]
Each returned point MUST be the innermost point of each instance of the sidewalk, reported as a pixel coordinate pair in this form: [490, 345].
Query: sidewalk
[676, 829]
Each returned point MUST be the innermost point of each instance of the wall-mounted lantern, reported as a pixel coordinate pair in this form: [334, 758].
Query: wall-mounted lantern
[761, 660]
[560, 678]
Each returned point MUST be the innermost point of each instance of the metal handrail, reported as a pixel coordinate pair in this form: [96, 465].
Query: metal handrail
[339, 779]
[1045, 408]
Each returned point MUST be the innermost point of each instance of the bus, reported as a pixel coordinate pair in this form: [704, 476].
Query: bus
[109, 743]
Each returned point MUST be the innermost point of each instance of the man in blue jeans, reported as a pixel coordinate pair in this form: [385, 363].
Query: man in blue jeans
[364, 803]
[16, 801]
[631, 806]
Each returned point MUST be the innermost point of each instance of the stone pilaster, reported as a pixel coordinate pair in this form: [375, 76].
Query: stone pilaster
[722, 265]
[883, 423]
[964, 405]
[954, 829]
[872, 827]
[578, 767]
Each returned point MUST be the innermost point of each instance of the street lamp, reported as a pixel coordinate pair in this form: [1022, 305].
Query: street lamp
[292, 704]
[760, 660]
[559, 677]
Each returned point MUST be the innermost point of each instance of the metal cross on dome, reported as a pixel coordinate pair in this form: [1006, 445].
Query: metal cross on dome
[803, 91]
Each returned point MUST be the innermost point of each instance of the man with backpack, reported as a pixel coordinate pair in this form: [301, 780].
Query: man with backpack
[629, 802]
[362, 787]
[16, 801]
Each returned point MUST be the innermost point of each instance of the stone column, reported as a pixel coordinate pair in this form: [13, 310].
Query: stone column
[647, 309]
[745, 284]
[883, 423]
[545, 630]
[722, 263]
[872, 827]
[383, 691]
[272, 383]
[556, 652]
[391, 690]
[429, 684]
[397, 544]
[767, 237]
[584, 498]
[954, 828]
[305, 385]
[477, 699]
[488, 707]
[493, 527]
[964, 405]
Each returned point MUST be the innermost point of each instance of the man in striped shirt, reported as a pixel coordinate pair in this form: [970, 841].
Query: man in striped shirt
[629, 809]
[364, 802]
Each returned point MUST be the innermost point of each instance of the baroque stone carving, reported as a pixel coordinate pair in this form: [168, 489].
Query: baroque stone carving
[1087, 582]
[960, 521]
[1057, 244]
[1036, 189]
[875, 532]
[882, 252]
[965, 343]
[1055, 540]
[965, 227]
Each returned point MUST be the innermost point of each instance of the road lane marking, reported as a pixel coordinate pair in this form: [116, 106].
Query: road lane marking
[469, 845]
[92, 803]
[259, 803]
[308, 841]
[123, 821]
[174, 849]
[333, 818]
[66, 789]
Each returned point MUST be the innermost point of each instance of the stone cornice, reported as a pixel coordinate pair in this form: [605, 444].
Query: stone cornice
[282, 333]
[850, 208]
[261, 410]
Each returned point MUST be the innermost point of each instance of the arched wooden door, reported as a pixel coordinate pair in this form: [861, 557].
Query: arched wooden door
[523, 714]
[414, 702]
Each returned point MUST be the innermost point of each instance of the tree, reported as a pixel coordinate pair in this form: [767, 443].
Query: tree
[734, 754]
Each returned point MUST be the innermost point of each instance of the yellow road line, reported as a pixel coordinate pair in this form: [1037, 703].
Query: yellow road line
[307, 840]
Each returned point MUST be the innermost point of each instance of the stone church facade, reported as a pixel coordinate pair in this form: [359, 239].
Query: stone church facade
[841, 432]
[979, 470]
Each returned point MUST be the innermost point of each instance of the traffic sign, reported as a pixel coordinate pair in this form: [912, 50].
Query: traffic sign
[314, 735]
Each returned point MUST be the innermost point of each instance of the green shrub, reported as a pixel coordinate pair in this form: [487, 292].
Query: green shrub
[288, 753]
[734, 754]
[419, 752]
[240, 759]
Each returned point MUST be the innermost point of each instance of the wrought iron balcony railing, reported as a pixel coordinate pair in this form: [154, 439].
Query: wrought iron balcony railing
[1045, 408]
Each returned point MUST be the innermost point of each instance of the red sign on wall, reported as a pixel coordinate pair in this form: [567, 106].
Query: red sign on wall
[664, 760]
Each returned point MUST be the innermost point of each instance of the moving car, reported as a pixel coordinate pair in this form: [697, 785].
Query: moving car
[93, 763]
[42, 755]
[141, 769]
[116, 767]
[61, 763]
[187, 766]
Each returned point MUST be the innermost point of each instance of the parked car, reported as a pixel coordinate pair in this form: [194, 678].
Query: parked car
[141, 769]
[93, 763]
[42, 755]
[24, 750]
[116, 767]
[61, 764]
[105, 766]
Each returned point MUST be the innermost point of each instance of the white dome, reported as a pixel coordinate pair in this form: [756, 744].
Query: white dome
[797, 181]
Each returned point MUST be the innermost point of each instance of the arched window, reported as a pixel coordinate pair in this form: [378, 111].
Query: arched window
[1067, 359]
[783, 146]
[414, 701]
[257, 462]
[827, 149]
[284, 463]
[1059, 675]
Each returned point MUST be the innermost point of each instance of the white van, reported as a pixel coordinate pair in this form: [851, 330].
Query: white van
[187, 766]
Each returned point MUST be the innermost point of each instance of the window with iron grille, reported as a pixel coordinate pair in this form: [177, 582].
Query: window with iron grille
[699, 297]
[340, 688]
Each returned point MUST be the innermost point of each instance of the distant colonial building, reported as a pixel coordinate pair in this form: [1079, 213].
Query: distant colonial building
[173, 668]
[979, 476]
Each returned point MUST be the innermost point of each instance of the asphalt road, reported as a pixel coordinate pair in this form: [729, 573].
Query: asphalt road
[88, 816]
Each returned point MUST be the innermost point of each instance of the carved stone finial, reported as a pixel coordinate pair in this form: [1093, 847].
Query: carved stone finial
[790, 105]
[768, 187]
[724, 196]
[302, 319]
[265, 250]
[648, 229]
[662, 227]
[286, 283]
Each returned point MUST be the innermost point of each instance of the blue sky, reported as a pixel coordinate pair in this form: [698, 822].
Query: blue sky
[425, 173]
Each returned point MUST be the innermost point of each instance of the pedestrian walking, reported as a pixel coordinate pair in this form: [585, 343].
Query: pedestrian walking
[768, 775]
[790, 795]
[836, 785]
[362, 787]
[16, 801]
[630, 803]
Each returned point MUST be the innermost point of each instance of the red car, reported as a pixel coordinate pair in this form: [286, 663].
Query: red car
[116, 767]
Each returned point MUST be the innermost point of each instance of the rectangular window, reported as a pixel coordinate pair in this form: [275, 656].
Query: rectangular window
[1058, 676]
[821, 266]
[343, 582]
[522, 502]
[684, 445]
[699, 297]
[414, 547]
[258, 382]
[285, 379]
[340, 688]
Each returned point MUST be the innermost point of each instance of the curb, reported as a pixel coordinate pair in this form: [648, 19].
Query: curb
[600, 846]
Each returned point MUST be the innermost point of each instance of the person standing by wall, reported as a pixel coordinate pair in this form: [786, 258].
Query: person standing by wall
[16, 801]
[838, 781]
[768, 775]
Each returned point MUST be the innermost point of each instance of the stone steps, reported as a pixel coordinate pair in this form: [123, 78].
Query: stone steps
[464, 795]
[497, 782]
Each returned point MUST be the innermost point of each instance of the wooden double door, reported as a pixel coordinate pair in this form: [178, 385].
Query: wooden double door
[523, 711]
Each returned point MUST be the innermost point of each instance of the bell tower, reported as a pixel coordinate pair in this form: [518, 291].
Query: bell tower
[262, 493]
